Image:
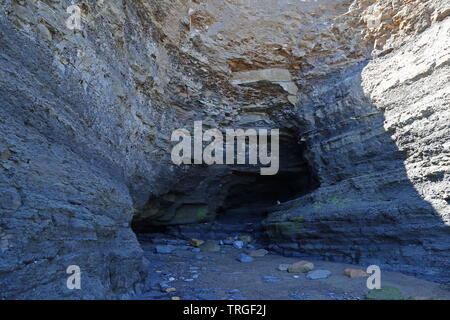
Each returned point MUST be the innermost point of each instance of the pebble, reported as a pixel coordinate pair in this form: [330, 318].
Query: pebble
[166, 288]
[244, 258]
[199, 257]
[196, 250]
[355, 273]
[283, 267]
[318, 274]
[238, 244]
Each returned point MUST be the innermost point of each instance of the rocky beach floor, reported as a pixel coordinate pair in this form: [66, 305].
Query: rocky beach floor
[234, 269]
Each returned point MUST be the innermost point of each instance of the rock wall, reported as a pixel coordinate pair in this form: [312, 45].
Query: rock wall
[86, 119]
[378, 138]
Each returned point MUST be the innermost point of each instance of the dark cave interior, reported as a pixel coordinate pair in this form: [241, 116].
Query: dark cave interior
[250, 196]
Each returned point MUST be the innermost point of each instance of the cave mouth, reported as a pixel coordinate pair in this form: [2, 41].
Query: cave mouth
[250, 202]
[253, 196]
[246, 197]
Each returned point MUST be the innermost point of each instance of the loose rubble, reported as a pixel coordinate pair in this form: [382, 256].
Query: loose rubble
[217, 274]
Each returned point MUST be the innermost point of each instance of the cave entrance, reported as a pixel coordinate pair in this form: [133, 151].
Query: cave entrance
[252, 196]
[249, 202]
[243, 202]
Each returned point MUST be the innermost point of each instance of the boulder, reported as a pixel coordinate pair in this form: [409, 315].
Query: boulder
[318, 274]
[355, 273]
[300, 267]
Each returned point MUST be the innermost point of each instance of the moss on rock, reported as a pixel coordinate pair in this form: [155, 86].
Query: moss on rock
[385, 293]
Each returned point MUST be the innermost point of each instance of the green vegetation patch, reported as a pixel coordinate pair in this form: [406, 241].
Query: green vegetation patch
[385, 293]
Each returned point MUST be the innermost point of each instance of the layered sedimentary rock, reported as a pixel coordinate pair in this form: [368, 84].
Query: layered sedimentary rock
[87, 115]
[381, 151]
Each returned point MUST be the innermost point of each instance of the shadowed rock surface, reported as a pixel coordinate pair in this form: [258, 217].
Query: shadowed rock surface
[359, 89]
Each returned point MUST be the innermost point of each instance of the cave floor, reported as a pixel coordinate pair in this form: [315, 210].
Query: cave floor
[219, 276]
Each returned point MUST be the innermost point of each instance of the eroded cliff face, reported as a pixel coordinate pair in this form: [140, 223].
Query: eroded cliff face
[86, 120]
[383, 195]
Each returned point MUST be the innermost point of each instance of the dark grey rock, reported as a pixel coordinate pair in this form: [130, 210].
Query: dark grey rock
[244, 258]
[238, 244]
[86, 120]
[318, 274]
